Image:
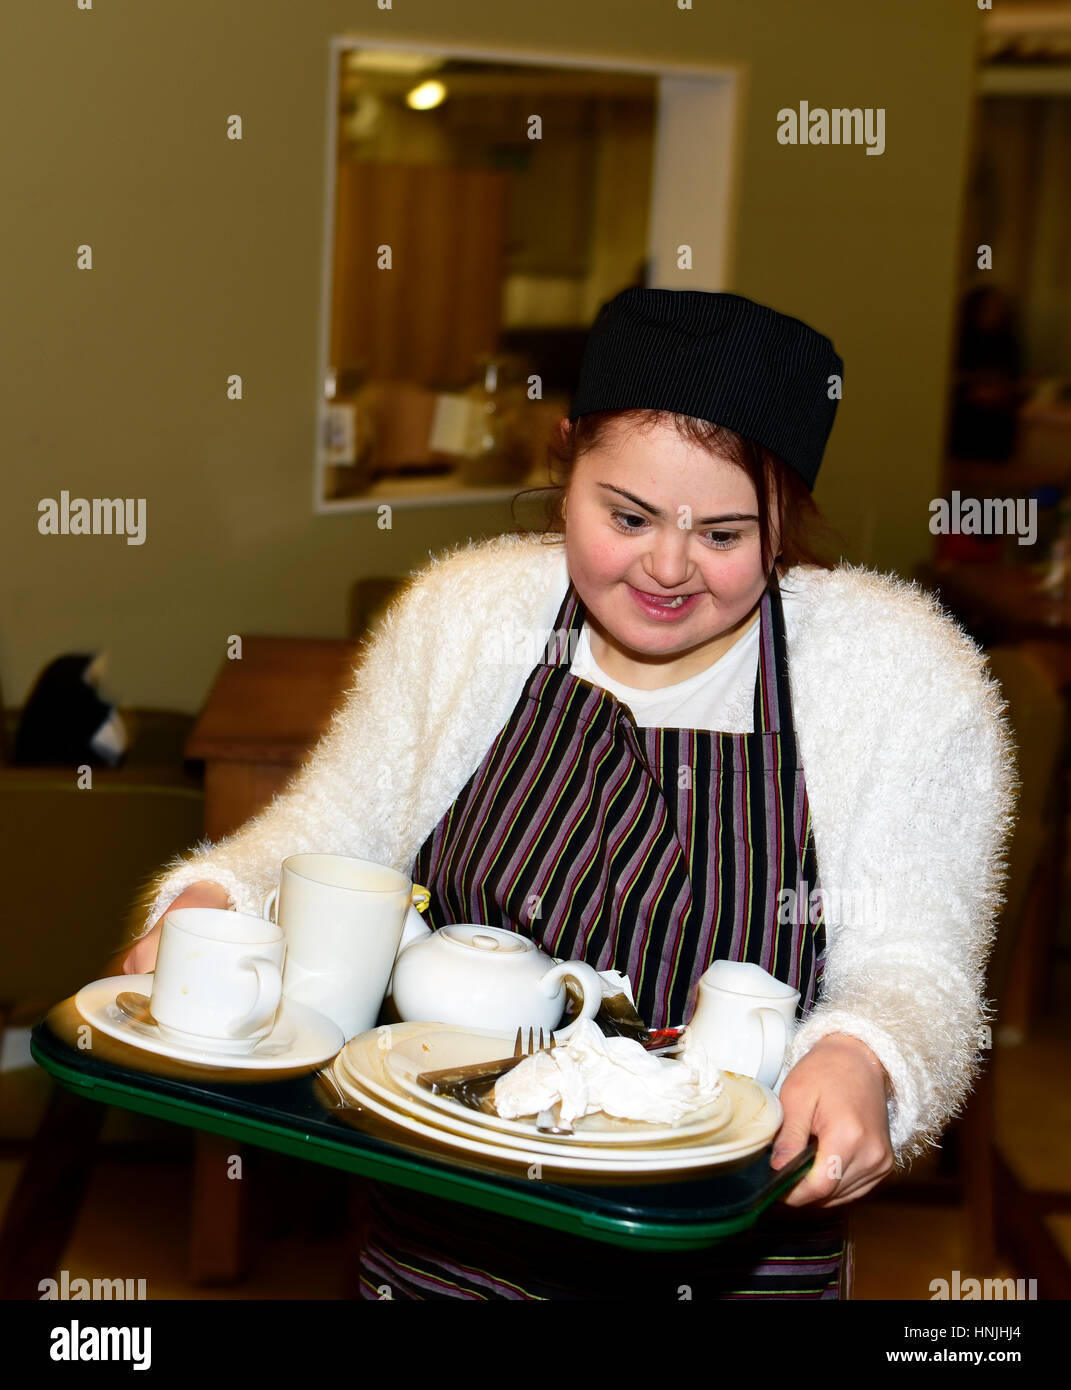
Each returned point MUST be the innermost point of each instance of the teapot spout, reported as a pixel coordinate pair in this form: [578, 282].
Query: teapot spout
[413, 929]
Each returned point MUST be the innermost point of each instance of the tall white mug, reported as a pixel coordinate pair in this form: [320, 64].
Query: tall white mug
[343, 919]
[744, 1019]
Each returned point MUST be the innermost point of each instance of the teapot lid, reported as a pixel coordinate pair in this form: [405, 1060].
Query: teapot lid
[492, 941]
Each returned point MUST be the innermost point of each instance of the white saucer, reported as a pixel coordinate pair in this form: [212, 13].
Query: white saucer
[301, 1036]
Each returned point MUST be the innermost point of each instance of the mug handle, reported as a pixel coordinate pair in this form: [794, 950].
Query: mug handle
[589, 982]
[414, 928]
[774, 1044]
[269, 995]
[270, 903]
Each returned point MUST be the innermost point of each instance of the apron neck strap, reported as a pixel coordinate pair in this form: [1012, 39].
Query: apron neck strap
[773, 696]
[561, 644]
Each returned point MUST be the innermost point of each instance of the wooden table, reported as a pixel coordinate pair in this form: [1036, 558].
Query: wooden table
[265, 713]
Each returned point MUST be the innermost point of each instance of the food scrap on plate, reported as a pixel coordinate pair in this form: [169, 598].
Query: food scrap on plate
[616, 1075]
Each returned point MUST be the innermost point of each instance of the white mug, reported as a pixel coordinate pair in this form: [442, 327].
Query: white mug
[744, 1019]
[343, 919]
[218, 978]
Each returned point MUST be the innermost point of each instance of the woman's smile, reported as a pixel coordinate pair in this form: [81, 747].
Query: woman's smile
[664, 609]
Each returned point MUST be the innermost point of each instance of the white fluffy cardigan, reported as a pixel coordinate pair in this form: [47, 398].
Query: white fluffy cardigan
[909, 768]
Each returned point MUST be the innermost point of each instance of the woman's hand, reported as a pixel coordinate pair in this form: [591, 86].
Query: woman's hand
[141, 958]
[836, 1092]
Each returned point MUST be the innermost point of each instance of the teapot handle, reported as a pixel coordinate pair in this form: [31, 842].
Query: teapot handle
[589, 982]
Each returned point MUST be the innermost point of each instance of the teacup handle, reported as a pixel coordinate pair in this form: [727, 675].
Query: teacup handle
[774, 1043]
[269, 995]
[589, 982]
[269, 905]
[420, 898]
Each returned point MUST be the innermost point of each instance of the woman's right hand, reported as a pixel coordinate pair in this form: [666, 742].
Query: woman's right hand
[141, 958]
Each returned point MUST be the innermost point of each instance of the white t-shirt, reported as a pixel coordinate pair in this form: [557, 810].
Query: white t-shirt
[700, 702]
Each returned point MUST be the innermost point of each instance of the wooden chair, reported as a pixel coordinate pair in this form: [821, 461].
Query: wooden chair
[999, 1215]
[72, 861]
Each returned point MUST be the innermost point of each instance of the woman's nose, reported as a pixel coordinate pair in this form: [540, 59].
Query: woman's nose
[667, 560]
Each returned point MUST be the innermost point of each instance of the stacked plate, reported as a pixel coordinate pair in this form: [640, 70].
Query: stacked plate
[379, 1070]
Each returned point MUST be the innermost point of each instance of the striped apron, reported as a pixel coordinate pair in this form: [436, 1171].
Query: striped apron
[648, 851]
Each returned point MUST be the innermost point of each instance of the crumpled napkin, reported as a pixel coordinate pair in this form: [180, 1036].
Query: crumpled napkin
[591, 1072]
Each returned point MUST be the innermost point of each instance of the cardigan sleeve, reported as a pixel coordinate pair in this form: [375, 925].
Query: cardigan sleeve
[429, 692]
[920, 807]
[353, 794]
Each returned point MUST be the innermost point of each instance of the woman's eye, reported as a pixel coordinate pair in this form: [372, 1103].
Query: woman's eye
[623, 520]
[631, 524]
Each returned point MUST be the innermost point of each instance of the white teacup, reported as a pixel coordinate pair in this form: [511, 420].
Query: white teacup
[218, 979]
[343, 920]
[744, 1019]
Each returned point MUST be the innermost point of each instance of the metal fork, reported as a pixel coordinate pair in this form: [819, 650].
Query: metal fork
[469, 1084]
[476, 1093]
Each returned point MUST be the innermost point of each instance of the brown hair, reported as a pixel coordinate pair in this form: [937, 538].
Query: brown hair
[773, 479]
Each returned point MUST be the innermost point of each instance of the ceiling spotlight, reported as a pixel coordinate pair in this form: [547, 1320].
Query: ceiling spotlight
[426, 95]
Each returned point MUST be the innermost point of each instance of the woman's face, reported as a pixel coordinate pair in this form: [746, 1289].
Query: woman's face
[650, 517]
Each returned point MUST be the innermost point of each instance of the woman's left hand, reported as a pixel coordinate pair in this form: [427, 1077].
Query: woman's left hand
[836, 1092]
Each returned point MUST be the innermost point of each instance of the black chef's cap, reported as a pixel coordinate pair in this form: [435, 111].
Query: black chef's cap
[718, 357]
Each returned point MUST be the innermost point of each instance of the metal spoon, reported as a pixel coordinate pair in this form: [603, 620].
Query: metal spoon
[327, 1077]
[545, 1124]
[135, 1006]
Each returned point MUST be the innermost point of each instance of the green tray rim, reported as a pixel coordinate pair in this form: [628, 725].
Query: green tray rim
[408, 1172]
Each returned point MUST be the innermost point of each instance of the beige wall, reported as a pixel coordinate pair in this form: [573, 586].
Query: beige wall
[207, 261]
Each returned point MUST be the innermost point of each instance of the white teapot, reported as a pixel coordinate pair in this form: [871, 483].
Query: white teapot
[485, 977]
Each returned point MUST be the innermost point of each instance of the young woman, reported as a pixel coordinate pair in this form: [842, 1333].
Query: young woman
[661, 734]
